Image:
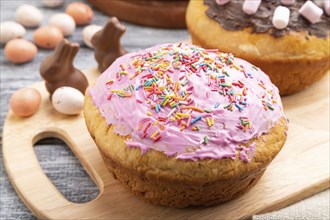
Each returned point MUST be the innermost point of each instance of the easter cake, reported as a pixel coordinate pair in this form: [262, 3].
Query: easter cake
[182, 126]
[287, 39]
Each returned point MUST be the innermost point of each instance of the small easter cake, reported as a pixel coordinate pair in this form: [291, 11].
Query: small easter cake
[180, 125]
[289, 40]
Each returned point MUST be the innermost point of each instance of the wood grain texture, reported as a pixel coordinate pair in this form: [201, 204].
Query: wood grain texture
[300, 170]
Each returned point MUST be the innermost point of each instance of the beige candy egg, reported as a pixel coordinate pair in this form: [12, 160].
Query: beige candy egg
[28, 15]
[88, 32]
[81, 12]
[52, 3]
[63, 22]
[10, 30]
[68, 100]
[47, 37]
[25, 102]
[20, 51]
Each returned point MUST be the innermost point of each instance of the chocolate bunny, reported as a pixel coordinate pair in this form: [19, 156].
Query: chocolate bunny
[107, 43]
[57, 69]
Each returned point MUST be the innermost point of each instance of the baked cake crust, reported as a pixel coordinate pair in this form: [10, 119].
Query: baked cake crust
[168, 181]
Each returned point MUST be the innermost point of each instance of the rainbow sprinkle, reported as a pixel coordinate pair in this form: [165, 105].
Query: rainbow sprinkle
[169, 99]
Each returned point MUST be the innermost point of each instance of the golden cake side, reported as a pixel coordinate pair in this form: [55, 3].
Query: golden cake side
[179, 183]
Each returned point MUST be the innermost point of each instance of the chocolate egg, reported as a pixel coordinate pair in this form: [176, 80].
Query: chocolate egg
[81, 13]
[63, 22]
[68, 100]
[20, 51]
[25, 102]
[47, 37]
[10, 30]
[28, 15]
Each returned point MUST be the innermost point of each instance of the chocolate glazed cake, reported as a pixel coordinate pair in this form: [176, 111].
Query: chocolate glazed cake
[294, 57]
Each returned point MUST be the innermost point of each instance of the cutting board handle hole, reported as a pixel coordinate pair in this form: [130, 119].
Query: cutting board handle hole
[54, 157]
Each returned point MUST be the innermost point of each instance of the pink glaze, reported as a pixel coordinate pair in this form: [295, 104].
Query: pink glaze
[249, 108]
[247, 153]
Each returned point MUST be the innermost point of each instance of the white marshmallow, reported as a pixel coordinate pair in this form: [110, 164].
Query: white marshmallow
[311, 12]
[222, 2]
[64, 22]
[251, 6]
[88, 32]
[28, 15]
[288, 2]
[326, 6]
[281, 17]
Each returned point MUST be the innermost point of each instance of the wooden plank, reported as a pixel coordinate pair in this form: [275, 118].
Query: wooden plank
[300, 170]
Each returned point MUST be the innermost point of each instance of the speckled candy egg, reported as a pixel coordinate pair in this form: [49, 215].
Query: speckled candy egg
[52, 3]
[20, 51]
[47, 37]
[28, 15]
[63, 22]
[68, 100]
[81, 13]
[10, 30]
[25, 102]
[88, 32]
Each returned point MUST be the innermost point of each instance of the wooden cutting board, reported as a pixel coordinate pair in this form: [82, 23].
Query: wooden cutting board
[300, 170]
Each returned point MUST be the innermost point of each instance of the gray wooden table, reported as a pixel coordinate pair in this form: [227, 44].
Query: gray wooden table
[57, 161]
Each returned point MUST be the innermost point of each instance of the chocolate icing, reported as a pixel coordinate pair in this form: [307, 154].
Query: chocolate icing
[231, 17]
[57, 69]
